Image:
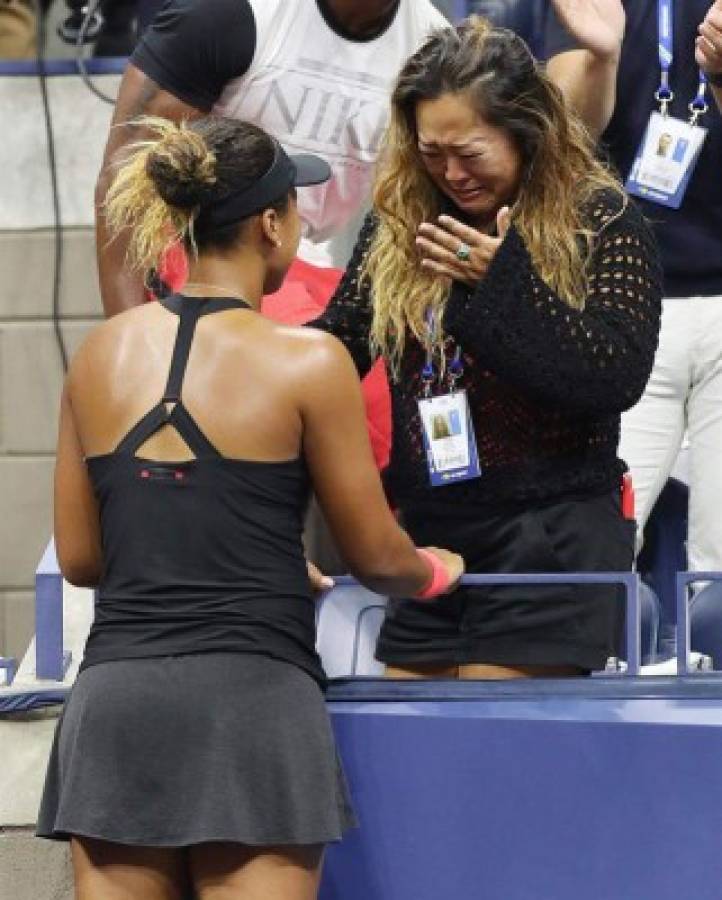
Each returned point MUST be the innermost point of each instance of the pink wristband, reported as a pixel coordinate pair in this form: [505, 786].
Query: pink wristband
[440, 580]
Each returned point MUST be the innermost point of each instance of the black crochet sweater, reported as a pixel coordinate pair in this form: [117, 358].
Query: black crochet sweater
[546, 383]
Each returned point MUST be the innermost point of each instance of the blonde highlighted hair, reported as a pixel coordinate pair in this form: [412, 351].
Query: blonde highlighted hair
[164, 180]
[495, 70]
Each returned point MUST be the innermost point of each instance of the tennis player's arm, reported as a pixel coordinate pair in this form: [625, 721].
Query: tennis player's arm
[76, 515]
[345, 479]
[121, 288]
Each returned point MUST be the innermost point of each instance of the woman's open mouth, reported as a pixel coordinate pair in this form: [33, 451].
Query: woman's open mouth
[468, 194]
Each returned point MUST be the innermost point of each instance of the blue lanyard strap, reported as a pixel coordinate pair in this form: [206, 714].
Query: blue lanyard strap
[665, 48]
[699, 106]
[455, 369]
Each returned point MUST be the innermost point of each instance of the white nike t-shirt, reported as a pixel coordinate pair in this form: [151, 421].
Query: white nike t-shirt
[318, 92]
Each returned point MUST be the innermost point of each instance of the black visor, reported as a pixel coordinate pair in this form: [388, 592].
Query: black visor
[285, 172]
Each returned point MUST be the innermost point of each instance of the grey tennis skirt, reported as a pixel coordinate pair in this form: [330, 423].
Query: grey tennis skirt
[183, 750]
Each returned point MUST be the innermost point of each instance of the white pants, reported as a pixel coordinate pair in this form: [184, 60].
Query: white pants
[684, 393]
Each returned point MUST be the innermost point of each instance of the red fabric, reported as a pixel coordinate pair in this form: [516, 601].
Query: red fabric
[304, 296]
[174, 268]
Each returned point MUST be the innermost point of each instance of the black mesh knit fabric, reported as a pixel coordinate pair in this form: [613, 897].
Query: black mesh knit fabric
[546, 383]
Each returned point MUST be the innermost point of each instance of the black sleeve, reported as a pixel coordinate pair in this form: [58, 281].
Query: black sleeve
[194, 48]
[350, 311]
[590, 361]
[556, 37]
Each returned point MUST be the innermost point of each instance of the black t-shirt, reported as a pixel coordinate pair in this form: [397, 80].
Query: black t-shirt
[195, 47]
[690, 238]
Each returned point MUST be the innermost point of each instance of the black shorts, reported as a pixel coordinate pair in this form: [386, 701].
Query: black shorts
[516, 625]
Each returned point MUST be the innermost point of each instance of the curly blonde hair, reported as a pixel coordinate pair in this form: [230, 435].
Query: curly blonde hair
[495, 70]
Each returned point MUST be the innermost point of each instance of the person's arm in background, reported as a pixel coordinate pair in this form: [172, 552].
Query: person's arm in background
[177, 71]
[587, 73]
[120, 287]
[708, 48]
[345, 479]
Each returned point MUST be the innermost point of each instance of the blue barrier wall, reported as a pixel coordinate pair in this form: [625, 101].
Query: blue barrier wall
[604, 790]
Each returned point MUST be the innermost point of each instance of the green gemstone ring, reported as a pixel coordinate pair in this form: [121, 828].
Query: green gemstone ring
[463, 252]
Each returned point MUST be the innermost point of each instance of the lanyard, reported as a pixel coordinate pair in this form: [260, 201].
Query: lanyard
[665, 44]
[454, 370]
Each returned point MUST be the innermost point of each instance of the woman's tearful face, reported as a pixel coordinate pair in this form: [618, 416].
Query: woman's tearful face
[475, 164]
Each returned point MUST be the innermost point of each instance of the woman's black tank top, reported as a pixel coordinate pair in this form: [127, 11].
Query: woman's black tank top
[201, 556]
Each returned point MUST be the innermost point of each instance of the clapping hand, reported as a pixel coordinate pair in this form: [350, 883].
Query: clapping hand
[708, 46]
[598, 25]
[457, 251]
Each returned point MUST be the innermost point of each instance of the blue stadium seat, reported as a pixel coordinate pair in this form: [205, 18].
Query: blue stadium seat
[664, 554]
[650, 621]
[706, 622]
[348, 620]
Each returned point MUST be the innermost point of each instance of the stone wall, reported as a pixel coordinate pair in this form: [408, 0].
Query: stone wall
[30, 868]
[30, 366]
